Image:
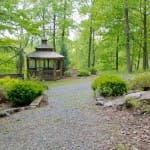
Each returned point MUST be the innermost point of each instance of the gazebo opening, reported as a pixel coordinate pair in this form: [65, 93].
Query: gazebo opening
[45, 63]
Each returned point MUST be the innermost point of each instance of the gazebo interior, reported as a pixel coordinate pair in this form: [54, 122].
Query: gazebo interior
[44, 63]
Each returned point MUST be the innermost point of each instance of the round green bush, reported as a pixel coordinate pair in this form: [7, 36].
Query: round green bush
[142, 81]
[109, 85]
[24, 92]
[83, 73]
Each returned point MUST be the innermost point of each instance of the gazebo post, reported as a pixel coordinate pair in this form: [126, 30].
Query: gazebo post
[28, 68]
[54, 71]
[61, 68]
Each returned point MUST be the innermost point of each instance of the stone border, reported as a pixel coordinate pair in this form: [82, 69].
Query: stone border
[118, 101]
[35, 104]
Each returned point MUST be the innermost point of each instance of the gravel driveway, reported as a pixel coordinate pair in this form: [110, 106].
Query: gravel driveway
[70, 122]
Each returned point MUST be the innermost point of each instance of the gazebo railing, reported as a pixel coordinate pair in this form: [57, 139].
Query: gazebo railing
[45, 74]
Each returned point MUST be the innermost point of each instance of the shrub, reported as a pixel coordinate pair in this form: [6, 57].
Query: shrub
[67, 74]
[109, 85]
[7, 83]
[83, 73]
[23, 93]
[142, 81]
[95, 83]
[93, 70]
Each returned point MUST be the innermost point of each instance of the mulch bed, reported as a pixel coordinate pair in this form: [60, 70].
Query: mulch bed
[134, 128]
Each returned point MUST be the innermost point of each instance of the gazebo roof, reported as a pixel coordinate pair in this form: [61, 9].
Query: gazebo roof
[45, 54]
[45, 51]
[44, 46]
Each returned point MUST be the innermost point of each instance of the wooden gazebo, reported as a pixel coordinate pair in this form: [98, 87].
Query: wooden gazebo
[45, 63]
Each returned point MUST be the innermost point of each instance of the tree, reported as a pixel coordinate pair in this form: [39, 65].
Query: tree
[64, 52]
[127, 30]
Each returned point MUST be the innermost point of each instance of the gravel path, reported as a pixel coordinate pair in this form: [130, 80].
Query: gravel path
[70, 122]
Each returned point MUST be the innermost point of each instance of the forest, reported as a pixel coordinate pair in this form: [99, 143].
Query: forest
[106, 35]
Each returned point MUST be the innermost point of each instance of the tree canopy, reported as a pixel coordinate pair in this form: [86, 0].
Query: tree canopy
[112, 34]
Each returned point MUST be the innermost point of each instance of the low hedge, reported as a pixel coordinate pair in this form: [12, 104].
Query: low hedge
[109, 85]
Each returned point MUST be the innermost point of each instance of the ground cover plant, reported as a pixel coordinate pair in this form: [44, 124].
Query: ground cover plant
[138, 105]
[141, 82]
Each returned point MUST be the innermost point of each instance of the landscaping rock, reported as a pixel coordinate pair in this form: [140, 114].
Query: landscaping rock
[99, 102]
[37, 101]
[143, 95]
[3, 114]
[41, 100]
[133, 95]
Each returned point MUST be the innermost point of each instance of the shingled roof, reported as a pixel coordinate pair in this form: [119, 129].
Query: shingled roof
[45, 51]
[45, 54]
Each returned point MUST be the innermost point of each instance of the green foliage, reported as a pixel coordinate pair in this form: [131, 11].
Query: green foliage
[109, 85]
[95, 83]
[142, 105]
[64, 52]
[132, 104]
[67, 74]
[141, 81]
[7, 82]
[93, 70]
[83, 73]
[7, 61]
[24, 92]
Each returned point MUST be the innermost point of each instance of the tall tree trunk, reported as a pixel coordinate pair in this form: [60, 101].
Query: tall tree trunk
[89, 47]
[93, 48]
[43, 26]
[117, 51]
[64, 19]
[126, 11]
[139, 58]
[145, 52]
[54, 32]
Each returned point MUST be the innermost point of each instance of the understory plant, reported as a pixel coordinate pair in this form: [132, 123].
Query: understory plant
[67, 74]
[109, 85]
[83, 73]
[93, 70]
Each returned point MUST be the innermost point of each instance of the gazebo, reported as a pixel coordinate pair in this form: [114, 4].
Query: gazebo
[44, 63]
